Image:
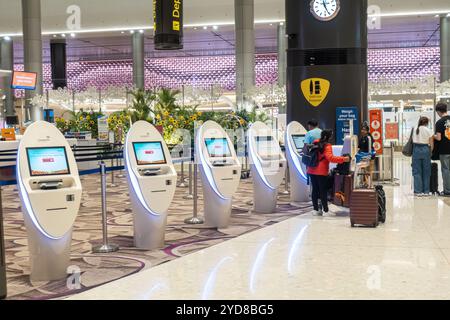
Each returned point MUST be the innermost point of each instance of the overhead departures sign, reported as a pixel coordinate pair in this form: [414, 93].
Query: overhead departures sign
[315, 90]
[168, 24]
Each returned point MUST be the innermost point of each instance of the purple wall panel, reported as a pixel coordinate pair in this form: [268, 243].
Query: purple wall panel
[399, 64]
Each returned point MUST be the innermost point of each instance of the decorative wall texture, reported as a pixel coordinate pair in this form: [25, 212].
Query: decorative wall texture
[403, 64]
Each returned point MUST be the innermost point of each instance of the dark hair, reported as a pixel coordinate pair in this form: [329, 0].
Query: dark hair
[423, 121]
[365, 127]
[441, 107]
[313, 123]
[325, 138]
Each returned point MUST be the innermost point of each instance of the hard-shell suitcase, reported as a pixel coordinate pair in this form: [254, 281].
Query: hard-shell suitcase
[364, 208]
[434, 182]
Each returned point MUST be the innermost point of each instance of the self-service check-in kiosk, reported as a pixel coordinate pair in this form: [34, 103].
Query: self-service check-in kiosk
[50, 192]
[268, 167]
[294, 142]
[152, 181]
[220, 172]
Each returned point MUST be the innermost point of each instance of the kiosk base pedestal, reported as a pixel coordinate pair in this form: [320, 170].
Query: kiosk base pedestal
[49, 258]
[264, 198]
[300, 190]
[149, 230]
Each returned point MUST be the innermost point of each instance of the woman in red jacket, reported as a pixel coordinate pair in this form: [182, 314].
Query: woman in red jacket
[319, 174]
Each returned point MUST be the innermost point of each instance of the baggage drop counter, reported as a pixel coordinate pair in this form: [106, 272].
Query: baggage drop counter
[220, 172]
[50, 192]
[152, 180]
[295, 141]
[268, 167]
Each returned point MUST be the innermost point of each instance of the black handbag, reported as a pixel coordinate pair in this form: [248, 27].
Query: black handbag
[435, 155]
[408, 148]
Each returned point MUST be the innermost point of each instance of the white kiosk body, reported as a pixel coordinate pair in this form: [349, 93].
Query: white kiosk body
[268, 166]
[152, 181]
[294, 143]
[220, 172]
[50, 192]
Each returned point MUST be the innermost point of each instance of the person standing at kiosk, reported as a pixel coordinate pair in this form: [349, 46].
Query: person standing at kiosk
[152, 180]
[50, 192]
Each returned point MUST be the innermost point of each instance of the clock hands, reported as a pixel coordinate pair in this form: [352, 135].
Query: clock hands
[325, 6]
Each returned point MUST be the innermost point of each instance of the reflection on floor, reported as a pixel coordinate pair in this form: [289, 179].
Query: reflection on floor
[314, 258]
[96, 269]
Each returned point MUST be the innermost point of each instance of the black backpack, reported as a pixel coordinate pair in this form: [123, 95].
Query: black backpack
[311, 155]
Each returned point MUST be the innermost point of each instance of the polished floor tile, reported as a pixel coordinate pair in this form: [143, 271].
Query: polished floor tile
[314, 258]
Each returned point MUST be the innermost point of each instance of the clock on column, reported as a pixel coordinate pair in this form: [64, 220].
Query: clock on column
[325, 10]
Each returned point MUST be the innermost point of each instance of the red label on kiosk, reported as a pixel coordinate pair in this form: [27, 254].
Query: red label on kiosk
[376, 129]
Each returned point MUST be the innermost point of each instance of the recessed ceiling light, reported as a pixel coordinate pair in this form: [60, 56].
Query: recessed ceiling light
[437, 16]
[271, 24]
[63, 35]
[72, 35]
[205, 27]
[131, 31]
[448, 15]
[122, 32]
[281, 23]
[195, 28]
[141, 31]
[7, 38]
[54, 36]
[215, 27]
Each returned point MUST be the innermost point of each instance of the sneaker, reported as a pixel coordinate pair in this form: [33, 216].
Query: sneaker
[426, 195]
[334, 209]
[317, 213]
[418, 195]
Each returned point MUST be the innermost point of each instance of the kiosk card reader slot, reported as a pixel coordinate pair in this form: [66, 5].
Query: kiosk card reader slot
[220, 172]
[152, 180]
[268, 166]
[50, 192]
[295, 141]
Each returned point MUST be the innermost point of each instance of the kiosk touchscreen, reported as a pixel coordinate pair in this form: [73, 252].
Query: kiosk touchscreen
[152, 180]
[220, 172]
[268, 166]
[50, 192]
[295, 141]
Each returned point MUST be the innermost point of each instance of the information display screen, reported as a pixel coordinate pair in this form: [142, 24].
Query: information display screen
[24, 80]
[299, 141]
[218, 147]
[47, 161]
[148, 153]
[265, 146]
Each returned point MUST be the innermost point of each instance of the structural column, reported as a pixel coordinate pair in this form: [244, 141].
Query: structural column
[138, 60]
[7, 63]
[445, 49]
[245, 48]
[282, 54]
[32, 46]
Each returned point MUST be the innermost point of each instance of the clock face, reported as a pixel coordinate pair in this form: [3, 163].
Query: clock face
[325, 10]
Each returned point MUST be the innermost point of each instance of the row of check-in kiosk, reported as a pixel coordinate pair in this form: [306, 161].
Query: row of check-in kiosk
[50, 188]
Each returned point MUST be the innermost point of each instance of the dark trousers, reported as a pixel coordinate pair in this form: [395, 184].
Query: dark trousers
[319, 191]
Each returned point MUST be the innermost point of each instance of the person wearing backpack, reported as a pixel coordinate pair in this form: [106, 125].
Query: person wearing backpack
[319, 171]
[442, 138]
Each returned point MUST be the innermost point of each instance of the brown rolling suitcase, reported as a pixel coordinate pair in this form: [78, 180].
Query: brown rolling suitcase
[364, 208]
[343, 187]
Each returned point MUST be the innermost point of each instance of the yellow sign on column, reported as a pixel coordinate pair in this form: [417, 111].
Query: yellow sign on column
[315, 90]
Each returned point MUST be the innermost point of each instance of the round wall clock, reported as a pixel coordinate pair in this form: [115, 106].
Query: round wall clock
[325, 10]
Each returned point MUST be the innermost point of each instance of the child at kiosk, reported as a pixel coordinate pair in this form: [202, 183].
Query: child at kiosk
[319, 174]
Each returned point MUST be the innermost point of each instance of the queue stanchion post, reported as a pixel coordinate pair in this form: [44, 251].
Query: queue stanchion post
[3, 282]
[392, 162]
[189, 196]
[195, 219]
[105, 247]
[182, 184]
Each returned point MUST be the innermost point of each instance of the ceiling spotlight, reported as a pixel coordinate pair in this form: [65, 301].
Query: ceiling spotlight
[195, 28]
[122, 32]
[215, 27]
[205, 27]
[131, 31]
[72, 35]
[63, 35]
[54, 36]
[281, 23]
[141, 31]
[7, 38]
[448, 15]
[271, 24]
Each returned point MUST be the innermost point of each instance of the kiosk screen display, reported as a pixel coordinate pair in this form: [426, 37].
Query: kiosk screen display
[299, 141]
[265, 146]
[148, 153]
[218, 147]
[48, 161]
